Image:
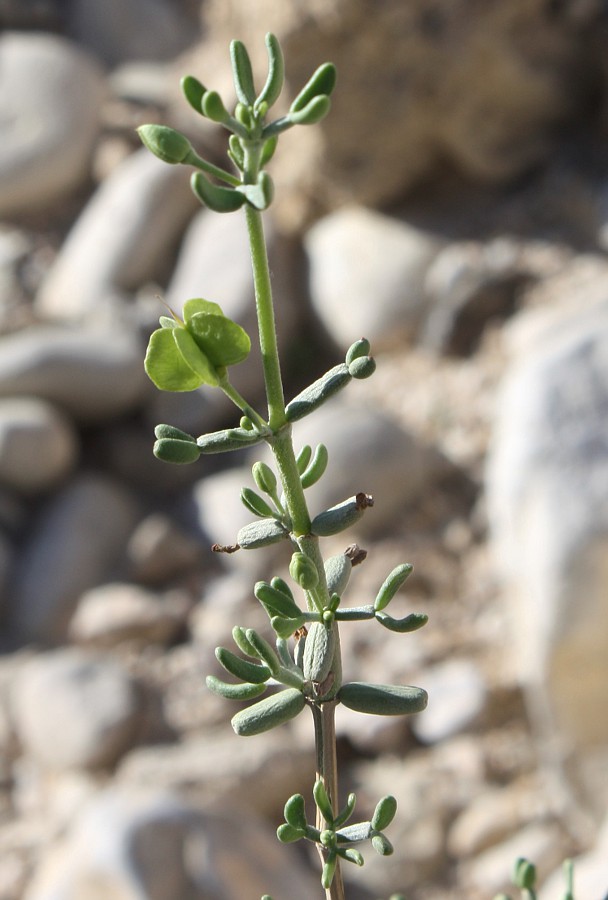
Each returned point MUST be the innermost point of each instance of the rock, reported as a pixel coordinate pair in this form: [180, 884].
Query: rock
[50, 103]
[77, 539]
[590, 875]
[214, 262]
[159, 550]
[457, 695]
[38, 445]
[6, 563]
[112, 614]
[133, 844]
[430, 84]
[367, 275]
[74, 709]
[121, 239]
[470, 285]
[115, 34]
[91, 375]
[368, 452]
[547, 489]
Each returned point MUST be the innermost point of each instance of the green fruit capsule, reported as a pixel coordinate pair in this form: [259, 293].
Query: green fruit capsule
[337, 572]
[319, 648]
[295, 812]
[316, 467]
[193, 90]
[165, 143]
[340, 517]
[228, 439]
[242, 73]
[391, 585]
[216, 198]
[269, 712]
[318, 392]
[176, 451]
[265, 652]
[362, 367]
[303, 571]
[312, 113]
[385, 812]
[275, 602]
[256, 504]
[276, 72]
[358, 349]
[242, 668]
[402, 626]
[321, 82]
[261, 534]
[234, 691]
[382, 699]
[264, 477]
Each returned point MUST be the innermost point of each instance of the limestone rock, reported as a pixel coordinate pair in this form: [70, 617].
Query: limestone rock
[74, 709]
[91, 375]
[367, 275]
[121, 239]
[50, 99]
[78, 537]
[38, 445]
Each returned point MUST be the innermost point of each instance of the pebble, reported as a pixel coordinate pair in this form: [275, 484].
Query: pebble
[111, 614]
[38, 445]
[76, 540]
[132, 844]
[120, 240]
[90, 375]
[159, 549]
[458, 693]
[367, 275]
[75, 709]
[50, 104]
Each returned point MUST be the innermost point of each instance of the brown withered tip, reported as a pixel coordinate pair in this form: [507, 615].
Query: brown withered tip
[356, 554]
[363, 501]
[229, 548]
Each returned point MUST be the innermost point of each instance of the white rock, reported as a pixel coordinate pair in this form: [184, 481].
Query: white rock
[50, 101]
[547, 488]
[590, 873]
[120, 239]
[77, 538]
[367, 275]
[134, 844]
[91, 375]
[38, 445]
[114, 613]
[457, 695]
[74, 709]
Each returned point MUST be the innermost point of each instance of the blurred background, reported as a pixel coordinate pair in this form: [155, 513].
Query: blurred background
[454, 210]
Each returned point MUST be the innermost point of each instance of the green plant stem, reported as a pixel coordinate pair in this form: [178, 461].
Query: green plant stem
[323, 715]
[242, 404]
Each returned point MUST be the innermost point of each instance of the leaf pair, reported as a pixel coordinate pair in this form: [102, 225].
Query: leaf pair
[183, 355]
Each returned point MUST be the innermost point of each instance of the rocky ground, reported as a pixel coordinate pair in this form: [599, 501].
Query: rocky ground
[453, 210]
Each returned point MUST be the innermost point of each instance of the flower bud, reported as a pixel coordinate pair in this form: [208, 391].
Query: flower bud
[166, 143]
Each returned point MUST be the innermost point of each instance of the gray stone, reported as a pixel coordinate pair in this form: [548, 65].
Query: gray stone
[547, 486]
[116, 613]
[159, 549]
[121, 239]
[114, 32]
[367, 275]
[133, 844]
[458, 696]
[91, 375]
[50, 106]
[73, 709]
[590, 872]
[78, 537]
[38, 445]
[368, 452]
